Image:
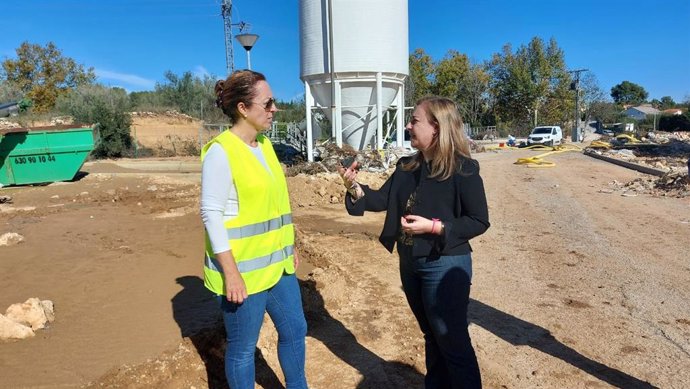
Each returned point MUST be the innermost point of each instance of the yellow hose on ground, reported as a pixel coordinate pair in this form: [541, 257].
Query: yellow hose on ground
[538, 161]
[630, 138]
[600, 144]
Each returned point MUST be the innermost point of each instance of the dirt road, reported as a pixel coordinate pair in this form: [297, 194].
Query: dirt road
[573, 287]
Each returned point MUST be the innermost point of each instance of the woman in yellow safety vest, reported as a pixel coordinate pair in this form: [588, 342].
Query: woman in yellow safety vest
[250, 257]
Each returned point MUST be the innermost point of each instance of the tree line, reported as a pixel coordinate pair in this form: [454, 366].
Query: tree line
[514, 90]
[517, 89]
[45, 82]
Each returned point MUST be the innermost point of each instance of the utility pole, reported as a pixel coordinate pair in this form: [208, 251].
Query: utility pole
[575, 85]
[226, 13]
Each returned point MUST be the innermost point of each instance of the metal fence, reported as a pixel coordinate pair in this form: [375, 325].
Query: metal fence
[293, 135]
[287, 134]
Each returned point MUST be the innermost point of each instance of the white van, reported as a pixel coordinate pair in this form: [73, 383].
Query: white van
[545, 135]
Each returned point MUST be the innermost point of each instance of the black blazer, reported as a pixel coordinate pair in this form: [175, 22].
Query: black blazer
[459, 202]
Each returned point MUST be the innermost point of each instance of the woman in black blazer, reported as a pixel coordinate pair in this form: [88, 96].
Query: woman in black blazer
[435, 203]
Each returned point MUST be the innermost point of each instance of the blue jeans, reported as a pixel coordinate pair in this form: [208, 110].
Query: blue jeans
[283, 303]
[438, 291]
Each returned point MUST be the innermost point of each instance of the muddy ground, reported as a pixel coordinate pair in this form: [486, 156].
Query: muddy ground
[576, 284]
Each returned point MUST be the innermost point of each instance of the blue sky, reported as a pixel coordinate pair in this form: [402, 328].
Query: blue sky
[132, 43]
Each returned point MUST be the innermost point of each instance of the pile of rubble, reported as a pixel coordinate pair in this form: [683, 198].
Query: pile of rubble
[330, 157]
[308, 190]
[670, 185]
[663, 137]
[667, 152]
[6, 124]
[55, 121]
[172, 114]
[61, 120]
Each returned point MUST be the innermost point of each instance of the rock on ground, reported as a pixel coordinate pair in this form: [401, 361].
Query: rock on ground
[10, 238]
[10, 329]
[33, 313]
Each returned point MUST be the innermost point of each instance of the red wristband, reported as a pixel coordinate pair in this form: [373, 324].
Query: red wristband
[433, 225]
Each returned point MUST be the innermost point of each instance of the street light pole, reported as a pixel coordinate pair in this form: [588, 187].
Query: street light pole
[575, 85]
[247, 41]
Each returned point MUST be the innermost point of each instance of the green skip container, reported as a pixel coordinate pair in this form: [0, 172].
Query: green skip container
[43, 154]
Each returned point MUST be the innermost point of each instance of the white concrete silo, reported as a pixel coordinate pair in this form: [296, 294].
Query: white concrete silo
[367, 44]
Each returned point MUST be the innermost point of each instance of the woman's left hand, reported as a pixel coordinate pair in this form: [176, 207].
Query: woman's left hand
[295, 258]
[415, 225]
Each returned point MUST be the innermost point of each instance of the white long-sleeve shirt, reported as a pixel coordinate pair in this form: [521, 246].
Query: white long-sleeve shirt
[219, 201]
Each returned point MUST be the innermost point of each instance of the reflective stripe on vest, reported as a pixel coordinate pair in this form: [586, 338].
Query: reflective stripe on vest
[255, 263]
[259, 228]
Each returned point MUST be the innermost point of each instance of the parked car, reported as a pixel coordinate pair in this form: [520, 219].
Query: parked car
[545, 135]
[605, 131]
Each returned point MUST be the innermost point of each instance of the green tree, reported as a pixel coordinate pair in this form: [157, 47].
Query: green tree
[674, 123]
[190, 94]
[605, 112]
[107, 107]
[43, 73]
[9, 92]
[473, 100]
[449, 73]
[531, 85]
[628, 93]
[667, 103]
[508, 87]
[148, 101]
[290, 111]
[558, 105]
[453, 77]
[418, 83]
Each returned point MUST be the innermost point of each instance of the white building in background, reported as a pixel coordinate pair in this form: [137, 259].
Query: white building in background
[354, 60]
[641, 112]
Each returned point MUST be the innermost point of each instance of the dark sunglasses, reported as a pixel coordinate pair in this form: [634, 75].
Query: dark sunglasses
[269, 104]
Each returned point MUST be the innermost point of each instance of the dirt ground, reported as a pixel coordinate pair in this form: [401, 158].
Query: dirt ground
[575, 285]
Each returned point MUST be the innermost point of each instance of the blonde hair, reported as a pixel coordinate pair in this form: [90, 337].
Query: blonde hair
[449, 147]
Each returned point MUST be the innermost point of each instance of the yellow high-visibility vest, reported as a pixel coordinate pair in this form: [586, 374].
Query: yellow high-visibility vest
[262, 236]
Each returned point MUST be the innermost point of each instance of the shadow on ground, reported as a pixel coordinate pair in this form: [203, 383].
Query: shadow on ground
[522, 333]
[196, 312]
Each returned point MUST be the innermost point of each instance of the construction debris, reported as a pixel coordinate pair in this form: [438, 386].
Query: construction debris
[61, 120]
[6, 124]
[331, 157]
[669, 185]
[657, 153]
[171, 114]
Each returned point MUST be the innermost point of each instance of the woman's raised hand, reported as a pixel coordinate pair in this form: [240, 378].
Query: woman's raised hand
[349, 175]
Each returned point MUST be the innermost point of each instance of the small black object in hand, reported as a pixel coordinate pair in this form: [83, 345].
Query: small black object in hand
[347, 162]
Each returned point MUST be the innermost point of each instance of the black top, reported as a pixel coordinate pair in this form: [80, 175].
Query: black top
[459, 202]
